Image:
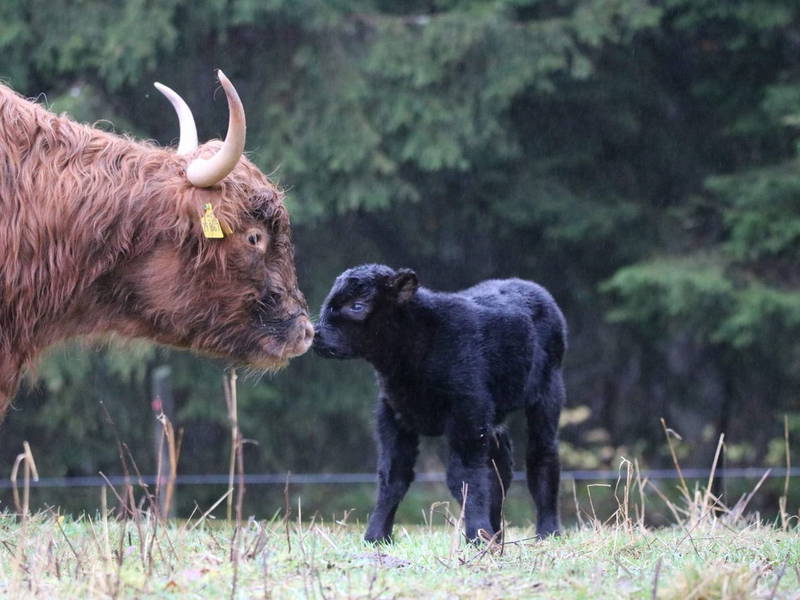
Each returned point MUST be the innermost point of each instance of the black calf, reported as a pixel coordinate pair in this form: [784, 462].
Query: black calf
[454, 364]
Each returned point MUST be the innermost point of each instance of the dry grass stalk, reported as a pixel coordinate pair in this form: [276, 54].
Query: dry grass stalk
[287, 512]
[22, 573]
[459, 524]
[738, 509]
[596, 523]
[165, 498]
[578, 509]
[640, 483]
[708, 505]
[236, 467]
[127, 500]
[667, 432]
[29, 468]
[673, 508]
[784, 498]
[229, 385]
[203, 517]
[622, 514]
[499, 535]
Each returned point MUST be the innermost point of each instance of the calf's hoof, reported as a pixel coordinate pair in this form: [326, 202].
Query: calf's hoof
[546, 530]
[481, 535]
[492, 541]
[378, 538]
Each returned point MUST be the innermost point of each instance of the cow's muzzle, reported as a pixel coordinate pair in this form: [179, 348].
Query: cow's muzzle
[303, 336]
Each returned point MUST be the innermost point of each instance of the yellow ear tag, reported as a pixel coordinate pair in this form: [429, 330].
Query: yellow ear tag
[210, 223]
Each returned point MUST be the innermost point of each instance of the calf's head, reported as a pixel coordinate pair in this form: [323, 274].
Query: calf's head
[234, 295]
[361, 311]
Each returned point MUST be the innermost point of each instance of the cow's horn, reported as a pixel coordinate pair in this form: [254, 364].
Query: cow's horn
[204, 172]
[188, 140]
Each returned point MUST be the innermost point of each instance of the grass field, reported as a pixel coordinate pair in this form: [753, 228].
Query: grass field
[709, 554]
[711, 550]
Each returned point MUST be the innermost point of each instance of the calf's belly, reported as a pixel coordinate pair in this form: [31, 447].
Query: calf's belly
[430, 427]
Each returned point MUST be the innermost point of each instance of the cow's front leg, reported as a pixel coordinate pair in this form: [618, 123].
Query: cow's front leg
[397, 453]
[467, 470]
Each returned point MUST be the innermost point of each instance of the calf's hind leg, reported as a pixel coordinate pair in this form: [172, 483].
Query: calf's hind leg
[468, 438]
[542, 462]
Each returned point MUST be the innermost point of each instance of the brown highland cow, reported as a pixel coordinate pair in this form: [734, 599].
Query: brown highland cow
[102, 234]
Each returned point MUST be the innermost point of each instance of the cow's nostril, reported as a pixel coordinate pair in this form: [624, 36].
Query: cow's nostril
[308, 333]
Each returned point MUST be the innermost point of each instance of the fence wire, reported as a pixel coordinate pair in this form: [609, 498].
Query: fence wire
[429, 477]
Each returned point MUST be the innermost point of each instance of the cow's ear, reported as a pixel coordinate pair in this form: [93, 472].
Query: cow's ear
[405, 285]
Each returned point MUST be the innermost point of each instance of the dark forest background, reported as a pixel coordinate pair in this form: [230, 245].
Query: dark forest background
[637, 158]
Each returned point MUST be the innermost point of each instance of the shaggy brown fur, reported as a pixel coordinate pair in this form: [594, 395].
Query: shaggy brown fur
[100, 233]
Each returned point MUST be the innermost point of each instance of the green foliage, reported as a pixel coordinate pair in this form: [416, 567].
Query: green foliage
[761, 215]
[699, 299]
[686, 291]
[112, 41]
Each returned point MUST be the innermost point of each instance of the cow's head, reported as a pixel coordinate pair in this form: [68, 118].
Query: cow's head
[235, 295]
[359, 316]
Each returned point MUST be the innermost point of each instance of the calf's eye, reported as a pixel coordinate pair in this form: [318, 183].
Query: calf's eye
[357, 307]
[254, 239]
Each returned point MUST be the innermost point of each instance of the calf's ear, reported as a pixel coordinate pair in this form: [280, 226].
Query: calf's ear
[405, 285]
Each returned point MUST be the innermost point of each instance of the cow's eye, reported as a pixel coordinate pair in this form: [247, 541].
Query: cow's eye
[257, 239]
[357, 307]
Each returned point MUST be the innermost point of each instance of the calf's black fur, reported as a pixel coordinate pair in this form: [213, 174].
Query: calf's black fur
[454, 364]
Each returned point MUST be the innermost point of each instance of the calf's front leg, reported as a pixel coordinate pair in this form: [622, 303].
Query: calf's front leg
[397, 453]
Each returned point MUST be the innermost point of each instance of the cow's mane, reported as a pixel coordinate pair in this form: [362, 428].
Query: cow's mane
[75, 201]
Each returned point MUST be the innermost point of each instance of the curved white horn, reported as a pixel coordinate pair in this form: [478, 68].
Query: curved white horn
[203, 172]
[188, 139]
